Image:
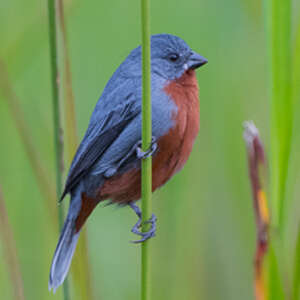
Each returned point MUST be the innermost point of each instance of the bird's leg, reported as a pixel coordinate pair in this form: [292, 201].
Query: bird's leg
[135, 229]
[141, 154]
[137, 151]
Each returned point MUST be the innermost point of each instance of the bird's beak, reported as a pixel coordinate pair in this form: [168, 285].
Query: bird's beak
[195, 61]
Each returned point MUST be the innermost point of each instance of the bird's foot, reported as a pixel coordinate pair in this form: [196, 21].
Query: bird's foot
[137, 151]
[145, 154]
[145, 235]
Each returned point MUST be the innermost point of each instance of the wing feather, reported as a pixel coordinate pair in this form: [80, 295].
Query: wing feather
[98, 138]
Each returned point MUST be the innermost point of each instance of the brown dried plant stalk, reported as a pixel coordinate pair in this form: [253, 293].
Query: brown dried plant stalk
[256, 161]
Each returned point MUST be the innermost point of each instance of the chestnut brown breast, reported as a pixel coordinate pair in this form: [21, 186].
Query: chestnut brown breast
[174, 148]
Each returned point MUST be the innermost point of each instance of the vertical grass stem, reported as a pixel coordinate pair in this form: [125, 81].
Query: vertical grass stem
[81, 264]
[278, 16]
[279, 30]
[56, 114]
[146, 142]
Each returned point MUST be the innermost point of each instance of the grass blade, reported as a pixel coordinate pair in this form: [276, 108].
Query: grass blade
[69, 105]
[80, 266]
[296, 97]
[56, 115]
[278, 16]
[296, 283]
[146, 142]
[279, 30]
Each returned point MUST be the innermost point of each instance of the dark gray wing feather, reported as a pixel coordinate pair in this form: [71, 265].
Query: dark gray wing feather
[98, 138]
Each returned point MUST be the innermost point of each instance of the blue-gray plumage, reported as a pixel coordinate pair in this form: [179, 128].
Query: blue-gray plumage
[107, 162]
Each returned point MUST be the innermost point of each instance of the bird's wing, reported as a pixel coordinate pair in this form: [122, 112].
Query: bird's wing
[98, 138]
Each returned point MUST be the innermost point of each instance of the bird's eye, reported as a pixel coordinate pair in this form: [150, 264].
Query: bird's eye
[173, 57]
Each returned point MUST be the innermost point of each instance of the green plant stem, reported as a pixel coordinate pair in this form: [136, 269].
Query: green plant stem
[296, 275]
[56, 114]
[296, 97]
[80, 266]
[279, 14]
[146, 142]
[296, 70]
[275, 284]
[69, 105]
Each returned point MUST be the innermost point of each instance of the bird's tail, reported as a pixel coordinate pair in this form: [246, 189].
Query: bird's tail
[63, 254]
[80, 208]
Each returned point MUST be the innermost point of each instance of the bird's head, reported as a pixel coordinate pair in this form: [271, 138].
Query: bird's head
[170, 57]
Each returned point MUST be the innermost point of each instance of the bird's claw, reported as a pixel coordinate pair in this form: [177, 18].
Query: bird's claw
[135, 229]
[145, 154]
[145, 235]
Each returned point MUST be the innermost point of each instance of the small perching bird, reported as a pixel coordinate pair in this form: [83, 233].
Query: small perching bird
[107, 164]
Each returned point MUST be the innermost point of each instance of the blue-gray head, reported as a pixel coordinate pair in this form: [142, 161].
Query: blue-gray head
[170, 57]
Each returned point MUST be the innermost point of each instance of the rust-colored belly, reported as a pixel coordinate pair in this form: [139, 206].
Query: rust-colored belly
[174, 148]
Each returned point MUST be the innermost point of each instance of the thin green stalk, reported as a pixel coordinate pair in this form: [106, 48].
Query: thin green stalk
[146, 143]
[69, 105]
[275, 285]
[296, 69]
[56, 115]
[296, 97]
[279, 14]
[10, 251]
[80, 266]
[296, 283]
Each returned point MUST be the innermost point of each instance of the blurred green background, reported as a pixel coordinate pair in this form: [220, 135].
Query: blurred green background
[206, 235]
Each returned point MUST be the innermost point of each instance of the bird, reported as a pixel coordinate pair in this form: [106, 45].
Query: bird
[107, 164]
